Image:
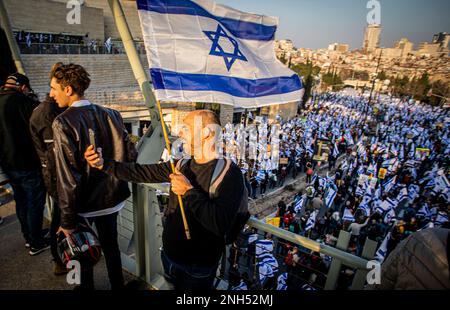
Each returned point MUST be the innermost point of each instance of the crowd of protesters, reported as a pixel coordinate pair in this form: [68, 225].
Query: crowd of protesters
[392, 181]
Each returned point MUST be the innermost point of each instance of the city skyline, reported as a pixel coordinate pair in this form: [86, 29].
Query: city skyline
[316, 24]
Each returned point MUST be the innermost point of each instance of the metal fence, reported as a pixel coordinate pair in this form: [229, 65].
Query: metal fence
[62, 48]
[323, 266]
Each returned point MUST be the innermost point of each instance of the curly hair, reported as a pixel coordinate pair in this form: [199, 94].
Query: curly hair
[71, 75]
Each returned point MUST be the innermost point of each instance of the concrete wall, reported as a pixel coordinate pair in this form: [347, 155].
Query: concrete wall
[50, 17]
[131, 14]
[112, 80]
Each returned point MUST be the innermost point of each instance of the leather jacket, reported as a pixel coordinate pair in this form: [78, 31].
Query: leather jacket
[41, 132]
[80, 188]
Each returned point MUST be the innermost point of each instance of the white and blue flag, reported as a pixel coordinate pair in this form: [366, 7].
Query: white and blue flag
[380, 255]
[329, 197]
[311, 221]
[298, 204]
[282, 279]
[348, 216]
[241, 287]
[200, 51]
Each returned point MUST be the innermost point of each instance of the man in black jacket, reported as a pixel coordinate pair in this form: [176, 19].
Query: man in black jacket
[19, 160]
[189, 264]
[41, 132]
[86, 194]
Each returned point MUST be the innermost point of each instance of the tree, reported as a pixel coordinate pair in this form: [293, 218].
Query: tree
[332, 79]
[306, 71]
[440, 91]
[382, 76]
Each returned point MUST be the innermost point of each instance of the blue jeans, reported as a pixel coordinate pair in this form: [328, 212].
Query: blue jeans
[29, 194]
[188, 278]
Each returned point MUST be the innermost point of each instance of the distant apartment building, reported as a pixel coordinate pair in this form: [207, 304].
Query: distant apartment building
[372, 38]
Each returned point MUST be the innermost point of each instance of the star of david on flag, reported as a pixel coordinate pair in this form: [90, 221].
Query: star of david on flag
[199, 51]
[217, 49]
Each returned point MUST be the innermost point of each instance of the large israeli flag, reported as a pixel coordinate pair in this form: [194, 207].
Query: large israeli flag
[199, 51]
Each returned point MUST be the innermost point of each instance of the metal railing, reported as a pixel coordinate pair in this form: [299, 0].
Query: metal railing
[67, 48]
[145, 262]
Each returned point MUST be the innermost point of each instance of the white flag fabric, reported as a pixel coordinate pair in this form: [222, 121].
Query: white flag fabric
[380, 255]
[282, 279]
[200, 51]
[311, 221]
[348, 216]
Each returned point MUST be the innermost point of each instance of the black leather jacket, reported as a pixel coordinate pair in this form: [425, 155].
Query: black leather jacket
[41, 132]
[82, 189]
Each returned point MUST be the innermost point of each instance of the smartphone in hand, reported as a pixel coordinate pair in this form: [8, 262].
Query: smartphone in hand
[92, 139]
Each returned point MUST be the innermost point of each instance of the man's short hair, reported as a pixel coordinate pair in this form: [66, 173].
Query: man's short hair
[208, 117]
[71, 75]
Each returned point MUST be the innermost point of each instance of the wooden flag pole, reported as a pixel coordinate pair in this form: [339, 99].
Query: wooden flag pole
[172, 166]
[144, 84]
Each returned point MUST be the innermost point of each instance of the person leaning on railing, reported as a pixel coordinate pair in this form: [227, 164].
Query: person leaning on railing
[190, 264]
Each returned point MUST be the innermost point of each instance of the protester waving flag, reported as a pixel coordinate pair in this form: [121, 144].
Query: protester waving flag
[311, 221]
[299, 202]
[380, 255]
[329, 197]
[282, 279]
[200, 51]
[348, 216]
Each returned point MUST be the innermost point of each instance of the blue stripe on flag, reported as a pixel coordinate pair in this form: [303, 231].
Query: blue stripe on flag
[238, 87]
[238, 28]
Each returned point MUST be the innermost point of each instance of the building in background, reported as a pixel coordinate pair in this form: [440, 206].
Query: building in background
[342, 48]
[372, 38]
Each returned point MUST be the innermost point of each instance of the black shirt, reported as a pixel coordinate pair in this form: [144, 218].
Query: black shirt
[208, 219]
[17, 151]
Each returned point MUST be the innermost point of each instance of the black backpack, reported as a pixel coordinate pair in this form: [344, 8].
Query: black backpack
[242, 214]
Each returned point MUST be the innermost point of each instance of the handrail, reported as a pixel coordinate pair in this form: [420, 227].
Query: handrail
[346, 258]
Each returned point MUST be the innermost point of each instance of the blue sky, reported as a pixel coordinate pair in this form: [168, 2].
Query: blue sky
[317, 23]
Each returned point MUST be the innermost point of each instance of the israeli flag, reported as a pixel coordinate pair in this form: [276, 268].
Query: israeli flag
[344, 165]
[282, 279]
[267, 266]
[388, 163]
[349, 139]
[348, 216]
[390, 184]
[335, 150]
[241, 287]
[441, 218]
[260, 176]
[380, 255]
[200, 51]
[389, 216]
[311, 221]
[413, 192]
[252, 238]
[298, 205]
[263, 246]
[329, 198]
[424, 212]
[365, 208]
[403, 194]
[386, 205]
[360, 190]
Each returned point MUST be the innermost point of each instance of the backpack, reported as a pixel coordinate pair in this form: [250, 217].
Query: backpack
[242, 214]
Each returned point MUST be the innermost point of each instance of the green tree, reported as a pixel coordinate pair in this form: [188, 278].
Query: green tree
[382, 76]
[332, 79]
[306, 71]
[439, 91]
